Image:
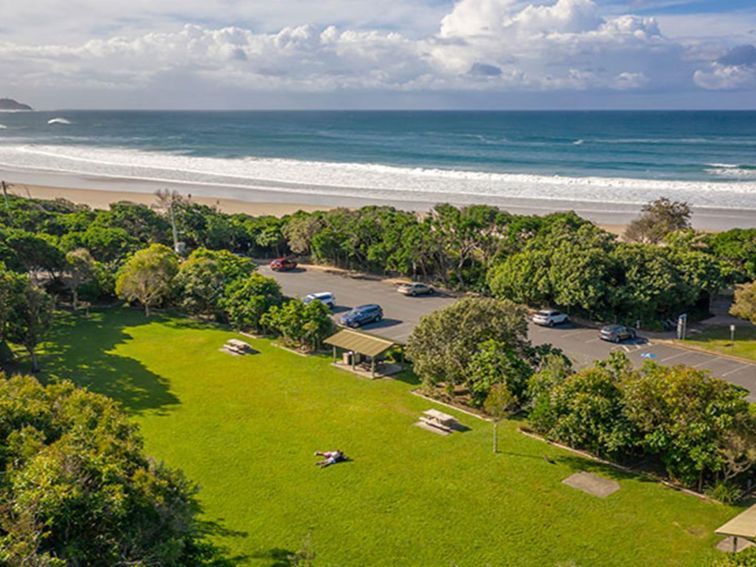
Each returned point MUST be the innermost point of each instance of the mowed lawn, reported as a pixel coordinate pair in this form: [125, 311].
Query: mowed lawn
[718, 340]
[245, 428]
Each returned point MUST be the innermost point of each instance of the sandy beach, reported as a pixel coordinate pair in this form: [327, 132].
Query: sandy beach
[101, 199]
[100, 191]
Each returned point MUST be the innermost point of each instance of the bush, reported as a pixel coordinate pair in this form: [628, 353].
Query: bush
[725, 492]
[300, 325]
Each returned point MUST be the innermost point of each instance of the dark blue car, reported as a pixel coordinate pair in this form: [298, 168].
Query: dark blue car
[362, 315]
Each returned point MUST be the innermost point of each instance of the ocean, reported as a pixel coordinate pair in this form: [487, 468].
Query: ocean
[705, 158]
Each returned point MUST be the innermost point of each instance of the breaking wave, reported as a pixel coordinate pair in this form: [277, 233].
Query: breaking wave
[374, 181]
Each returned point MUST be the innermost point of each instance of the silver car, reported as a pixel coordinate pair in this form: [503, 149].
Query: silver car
[617, 333]
[415, 288]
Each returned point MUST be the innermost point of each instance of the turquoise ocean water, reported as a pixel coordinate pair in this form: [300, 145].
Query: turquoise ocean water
[707, 158]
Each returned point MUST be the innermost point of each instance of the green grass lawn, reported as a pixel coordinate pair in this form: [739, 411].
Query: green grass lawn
[245, 428]
[718, 340]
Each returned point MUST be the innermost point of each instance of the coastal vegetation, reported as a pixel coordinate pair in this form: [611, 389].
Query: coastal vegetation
[699, 431]
[560, 260]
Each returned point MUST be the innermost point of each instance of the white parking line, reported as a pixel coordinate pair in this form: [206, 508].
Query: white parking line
[674, 356]
[738, 369]
[707, 361]
[593, 340]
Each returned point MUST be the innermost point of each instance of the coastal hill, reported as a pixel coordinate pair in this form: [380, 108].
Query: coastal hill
[10, 104]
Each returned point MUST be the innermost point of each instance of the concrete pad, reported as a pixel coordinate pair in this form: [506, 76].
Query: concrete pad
[592, 484]
[726, 545]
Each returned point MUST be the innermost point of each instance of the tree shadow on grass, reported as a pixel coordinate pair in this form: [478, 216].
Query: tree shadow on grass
[79, 350]
[215, 554]
[577, 464]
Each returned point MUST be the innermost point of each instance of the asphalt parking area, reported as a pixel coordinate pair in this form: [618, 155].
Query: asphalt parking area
[581, 344]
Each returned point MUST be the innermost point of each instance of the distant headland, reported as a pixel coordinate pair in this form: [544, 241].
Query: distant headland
[10, 104]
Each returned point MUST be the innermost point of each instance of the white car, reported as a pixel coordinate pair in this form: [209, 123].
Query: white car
[325, 297]
[549, 317]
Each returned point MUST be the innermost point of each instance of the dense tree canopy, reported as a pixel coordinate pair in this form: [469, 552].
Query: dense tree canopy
[204, 277]
[443, 344]
[248, 299]
[699, 429]
[77, 488]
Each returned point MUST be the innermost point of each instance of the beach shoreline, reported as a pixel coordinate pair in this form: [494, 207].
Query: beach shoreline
[99, 191]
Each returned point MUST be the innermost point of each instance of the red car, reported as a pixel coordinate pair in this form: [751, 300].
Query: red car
[282, 265]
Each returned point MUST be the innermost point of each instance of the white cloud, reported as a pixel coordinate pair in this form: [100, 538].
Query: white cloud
[478, 46]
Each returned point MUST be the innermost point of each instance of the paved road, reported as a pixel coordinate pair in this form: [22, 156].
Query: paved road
[581, 344]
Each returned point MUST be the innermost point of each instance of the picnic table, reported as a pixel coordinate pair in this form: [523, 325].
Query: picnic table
[237, 347]
[439, 419]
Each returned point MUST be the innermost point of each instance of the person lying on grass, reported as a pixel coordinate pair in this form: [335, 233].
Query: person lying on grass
[331, 458]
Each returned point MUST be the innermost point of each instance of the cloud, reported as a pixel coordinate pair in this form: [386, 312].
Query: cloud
[735, 69]
[478, 46]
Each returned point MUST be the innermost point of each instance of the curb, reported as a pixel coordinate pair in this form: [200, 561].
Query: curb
[705, 351]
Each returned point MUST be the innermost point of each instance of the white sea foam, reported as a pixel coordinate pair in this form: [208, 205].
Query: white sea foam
[3, 126]
[59, 121]
[369, 180]
[732, 171]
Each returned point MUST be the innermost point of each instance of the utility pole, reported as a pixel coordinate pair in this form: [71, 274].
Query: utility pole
[5, 193]
[174, 230]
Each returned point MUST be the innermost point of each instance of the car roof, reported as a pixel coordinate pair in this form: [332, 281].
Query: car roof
[320, 294]
[548, 311]
[368, 306]
[614, 327]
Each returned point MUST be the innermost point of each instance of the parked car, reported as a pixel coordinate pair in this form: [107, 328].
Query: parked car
[617, 333]
[362, 315]
[415, 288]
[549, 317]
[282, 265]
[325, 297]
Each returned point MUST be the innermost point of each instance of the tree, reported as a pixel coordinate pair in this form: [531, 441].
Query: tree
[300, 324]
[499, 404]
[139, 221]
[147, 276]
[658, 219]
[445, 341]
[248, 299]
[77, 488]
[585, 410]
[744, 304]
[495, 363]
[736, 248]
[11, 285]
[81, 269]
[686, 418]
[167, 202]
[300, 229]
[203, 278]
[106, 244]
[35, 251]
[32, 316]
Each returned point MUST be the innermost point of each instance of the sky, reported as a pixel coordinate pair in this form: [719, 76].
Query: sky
[376, 54]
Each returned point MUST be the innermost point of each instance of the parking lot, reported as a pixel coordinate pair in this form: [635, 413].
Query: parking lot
[581, 344]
